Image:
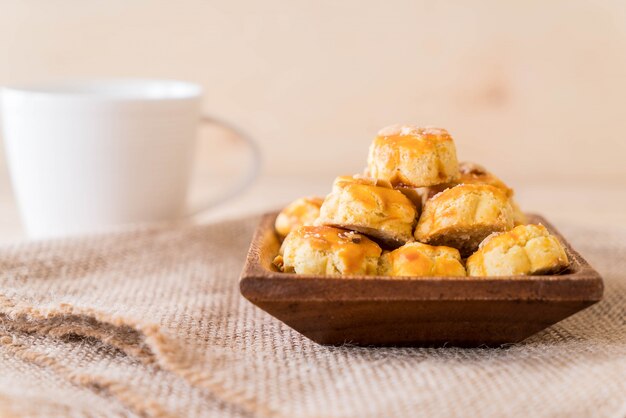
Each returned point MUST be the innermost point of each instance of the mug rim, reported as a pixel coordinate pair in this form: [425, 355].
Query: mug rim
[110, 89]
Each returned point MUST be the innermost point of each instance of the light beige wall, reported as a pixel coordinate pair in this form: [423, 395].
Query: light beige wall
[534, 89]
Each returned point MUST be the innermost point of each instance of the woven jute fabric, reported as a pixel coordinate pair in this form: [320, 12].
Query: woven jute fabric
[150, 322]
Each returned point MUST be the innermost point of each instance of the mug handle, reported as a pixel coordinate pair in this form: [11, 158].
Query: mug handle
[247, 177]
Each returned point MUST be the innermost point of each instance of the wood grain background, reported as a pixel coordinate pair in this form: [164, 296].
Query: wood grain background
[535, 90]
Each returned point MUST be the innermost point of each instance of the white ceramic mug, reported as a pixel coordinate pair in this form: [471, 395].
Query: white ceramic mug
[87, 155]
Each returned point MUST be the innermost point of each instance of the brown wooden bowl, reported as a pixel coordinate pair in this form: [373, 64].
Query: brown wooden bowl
[380, 310]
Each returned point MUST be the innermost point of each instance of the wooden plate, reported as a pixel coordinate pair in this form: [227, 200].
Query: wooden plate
[379, 310]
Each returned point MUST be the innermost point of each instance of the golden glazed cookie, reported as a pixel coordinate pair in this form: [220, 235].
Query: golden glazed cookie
[303, 211]
[417, 259]
[526, 249]
[413, 156]
[472, 173]
[327, 250]
[371, 207]
[462, 216]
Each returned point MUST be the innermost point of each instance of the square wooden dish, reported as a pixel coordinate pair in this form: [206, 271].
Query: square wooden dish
[379, 310]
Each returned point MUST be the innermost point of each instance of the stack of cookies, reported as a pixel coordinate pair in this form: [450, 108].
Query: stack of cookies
[415, 212]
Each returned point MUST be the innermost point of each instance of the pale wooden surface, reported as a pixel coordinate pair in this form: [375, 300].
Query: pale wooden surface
[533, 90]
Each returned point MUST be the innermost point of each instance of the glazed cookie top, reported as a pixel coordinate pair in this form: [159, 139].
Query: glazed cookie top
[302, 211]
[374, 194]
[307, 244]
[465, 204]
[372, 207]
[413, 156]
[526, 249]
[417, 259]
[472, 173]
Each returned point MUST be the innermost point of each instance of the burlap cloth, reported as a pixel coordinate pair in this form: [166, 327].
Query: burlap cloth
[151, 323]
